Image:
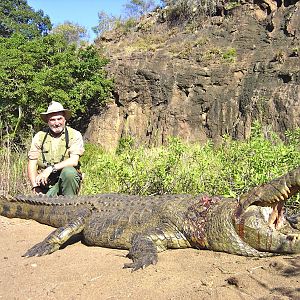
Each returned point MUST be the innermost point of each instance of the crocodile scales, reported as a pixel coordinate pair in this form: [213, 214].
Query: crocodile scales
[251, 226]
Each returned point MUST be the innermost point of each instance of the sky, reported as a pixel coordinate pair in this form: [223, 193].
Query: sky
[82, 12]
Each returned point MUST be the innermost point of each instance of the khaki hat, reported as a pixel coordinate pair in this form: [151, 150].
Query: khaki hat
[55, 107]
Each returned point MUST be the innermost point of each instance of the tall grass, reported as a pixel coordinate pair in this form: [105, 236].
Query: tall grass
[13, 178]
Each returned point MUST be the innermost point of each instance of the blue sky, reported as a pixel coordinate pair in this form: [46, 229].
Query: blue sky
[82, 12]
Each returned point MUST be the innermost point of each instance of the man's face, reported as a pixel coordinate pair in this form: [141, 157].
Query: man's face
[57, 122]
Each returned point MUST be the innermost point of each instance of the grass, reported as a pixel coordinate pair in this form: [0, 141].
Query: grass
[13, 178]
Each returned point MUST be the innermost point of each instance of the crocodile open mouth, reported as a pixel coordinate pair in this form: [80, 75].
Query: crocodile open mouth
[273, 194]
[276, 214]
[276, 203]
[276, 218]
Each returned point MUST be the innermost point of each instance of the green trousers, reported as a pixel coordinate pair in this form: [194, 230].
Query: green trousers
[67, 183]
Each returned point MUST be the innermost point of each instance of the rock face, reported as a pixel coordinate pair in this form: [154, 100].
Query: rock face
[200, 82]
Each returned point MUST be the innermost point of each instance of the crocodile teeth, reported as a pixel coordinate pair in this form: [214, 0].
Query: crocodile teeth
[272, 218]
[285, 193]
[276, 198]
[287, 189]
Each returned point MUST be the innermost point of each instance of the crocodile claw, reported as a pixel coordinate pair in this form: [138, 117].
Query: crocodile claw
[41, 249]
[141, 263]
[143, 253]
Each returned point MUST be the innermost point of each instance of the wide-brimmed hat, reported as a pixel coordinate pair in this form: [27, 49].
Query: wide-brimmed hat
[55, 107]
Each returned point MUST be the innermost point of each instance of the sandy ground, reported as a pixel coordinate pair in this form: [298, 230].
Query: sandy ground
[81, 272]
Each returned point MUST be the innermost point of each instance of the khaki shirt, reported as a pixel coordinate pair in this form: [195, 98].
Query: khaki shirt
[54, 148]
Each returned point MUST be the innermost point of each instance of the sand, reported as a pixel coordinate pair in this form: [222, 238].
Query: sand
[81, 272]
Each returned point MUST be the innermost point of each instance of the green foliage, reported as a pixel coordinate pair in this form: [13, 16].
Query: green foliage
[35, 72]
[293, 137]
[105, 23]
[13, 162]
[229, 55]
[18, 17]
[232, 4]
[73, 33]
[100, 170]
[126, 25]
[125, 144]
[134, 9]
[229, 170]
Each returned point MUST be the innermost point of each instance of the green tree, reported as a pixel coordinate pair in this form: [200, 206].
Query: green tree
[35, 72]
[105, 23]
[134, 9]
[138, 8]
[18, 17]
[73, 33]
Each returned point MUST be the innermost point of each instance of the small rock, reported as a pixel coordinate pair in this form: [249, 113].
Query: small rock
[233, 281]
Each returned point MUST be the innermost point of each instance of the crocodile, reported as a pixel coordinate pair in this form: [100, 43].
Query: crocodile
[253, 225]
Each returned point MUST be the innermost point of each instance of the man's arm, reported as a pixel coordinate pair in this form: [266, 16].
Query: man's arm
[72, 161]
[32, 174]
[32, 171]
[42, 178]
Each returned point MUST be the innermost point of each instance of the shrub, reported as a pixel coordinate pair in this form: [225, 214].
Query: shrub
[228, 170]
[182, 11]
[229, 55]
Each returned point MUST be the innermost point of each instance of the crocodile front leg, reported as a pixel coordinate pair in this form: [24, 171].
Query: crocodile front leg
[57, 238]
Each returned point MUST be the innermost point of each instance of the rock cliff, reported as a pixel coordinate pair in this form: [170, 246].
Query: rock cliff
[211, 77]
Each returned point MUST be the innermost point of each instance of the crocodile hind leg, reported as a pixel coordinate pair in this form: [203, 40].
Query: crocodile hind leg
[143, 253]
[57, 238]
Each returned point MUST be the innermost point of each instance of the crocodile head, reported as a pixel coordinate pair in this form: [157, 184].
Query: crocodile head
[259, 218]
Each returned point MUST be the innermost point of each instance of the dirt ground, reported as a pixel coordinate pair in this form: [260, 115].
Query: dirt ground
[81, 272]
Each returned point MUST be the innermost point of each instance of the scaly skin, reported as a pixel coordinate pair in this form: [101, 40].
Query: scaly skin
[151, 224]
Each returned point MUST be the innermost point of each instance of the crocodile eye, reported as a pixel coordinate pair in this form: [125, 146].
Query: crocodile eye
[292, 237]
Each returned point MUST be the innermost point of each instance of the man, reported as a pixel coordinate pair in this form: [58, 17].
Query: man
[53, 165]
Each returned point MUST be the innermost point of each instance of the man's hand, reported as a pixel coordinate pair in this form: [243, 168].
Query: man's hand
[42, 178]
[37, 190]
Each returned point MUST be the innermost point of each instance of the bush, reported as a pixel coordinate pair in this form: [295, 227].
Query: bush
[229, 170]
[182, 11]
[229, 55]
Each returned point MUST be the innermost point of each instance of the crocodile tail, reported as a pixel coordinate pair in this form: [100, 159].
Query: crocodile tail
[11, 207]
[8, 207]
[25, 208]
